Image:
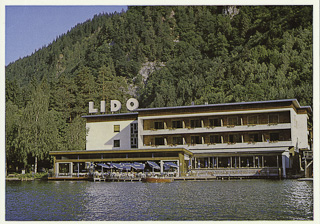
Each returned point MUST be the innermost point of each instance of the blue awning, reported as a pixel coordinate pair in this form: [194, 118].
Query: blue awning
[154, 165]
[103, 165]
[171, 164]
[138, 166]
[115, 165]
[126, 166]
[166, 167]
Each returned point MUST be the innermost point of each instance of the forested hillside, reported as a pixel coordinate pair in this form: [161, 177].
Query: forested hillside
[164, 56]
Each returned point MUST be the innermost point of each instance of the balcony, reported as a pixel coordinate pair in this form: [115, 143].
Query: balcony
[229, 128]
[223, 145]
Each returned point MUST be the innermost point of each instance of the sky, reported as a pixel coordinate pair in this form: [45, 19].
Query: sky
[29, 28]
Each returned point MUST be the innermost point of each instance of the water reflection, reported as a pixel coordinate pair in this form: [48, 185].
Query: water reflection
[210, 200]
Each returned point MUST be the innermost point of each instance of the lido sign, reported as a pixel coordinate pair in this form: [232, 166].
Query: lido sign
[132, 104]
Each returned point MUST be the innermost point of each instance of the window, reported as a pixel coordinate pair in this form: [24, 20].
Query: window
[215, 139]
[273, 118]
[177, 124]
[134, 135]
[253, 119]
[232, 120]
[215, 122]
[196, 140]
[177, 140]
[196, 124]
[234, 138]
[159, 125]
[274, 136]
[116, 143]
[159, 141]
[116, 128]
[253, 138]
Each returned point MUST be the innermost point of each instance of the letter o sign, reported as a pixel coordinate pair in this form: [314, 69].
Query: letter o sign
[132, 104]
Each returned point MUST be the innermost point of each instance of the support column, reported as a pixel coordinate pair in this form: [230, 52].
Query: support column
[217, 162]
[71, 168]
[181, 171]
[284, 166]
[56, 170]
[161, 166]
[239, 162]
[55, 173]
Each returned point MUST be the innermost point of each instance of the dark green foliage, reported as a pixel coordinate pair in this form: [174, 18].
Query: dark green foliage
[200, 53]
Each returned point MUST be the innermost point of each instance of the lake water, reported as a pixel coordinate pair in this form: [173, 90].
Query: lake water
[179, 200]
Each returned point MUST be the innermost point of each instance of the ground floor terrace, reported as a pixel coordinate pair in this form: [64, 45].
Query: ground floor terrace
[169, 162]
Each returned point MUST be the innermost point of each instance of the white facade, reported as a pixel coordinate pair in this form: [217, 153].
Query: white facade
[102, 135]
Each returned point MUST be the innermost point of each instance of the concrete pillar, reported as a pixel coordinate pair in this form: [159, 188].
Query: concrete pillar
[56, 169]
[181, 169]
[71, 168]
[284, 166]
[161, 166]
[285, 162]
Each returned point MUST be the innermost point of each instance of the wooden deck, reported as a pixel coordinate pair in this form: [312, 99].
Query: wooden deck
[68, 178]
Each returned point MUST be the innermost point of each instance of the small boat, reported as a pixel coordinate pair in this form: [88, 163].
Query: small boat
[157, 180]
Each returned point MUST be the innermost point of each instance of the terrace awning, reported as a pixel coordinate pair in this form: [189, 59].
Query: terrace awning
[126, 166]
[103, 165]
[154, 165]
[115, 165]
[171, 164]
[138, 166]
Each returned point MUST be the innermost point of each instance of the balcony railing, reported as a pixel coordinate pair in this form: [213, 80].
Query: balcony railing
[224, 145]
[229, 128]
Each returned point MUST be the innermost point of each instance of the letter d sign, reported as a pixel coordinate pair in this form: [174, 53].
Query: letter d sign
[115, 105]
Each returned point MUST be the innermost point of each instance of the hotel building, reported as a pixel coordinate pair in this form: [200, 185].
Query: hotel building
[263, 138]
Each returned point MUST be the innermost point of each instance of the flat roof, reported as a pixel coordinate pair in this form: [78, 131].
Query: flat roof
[294, 101]
[119, 151]
[111, 115]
